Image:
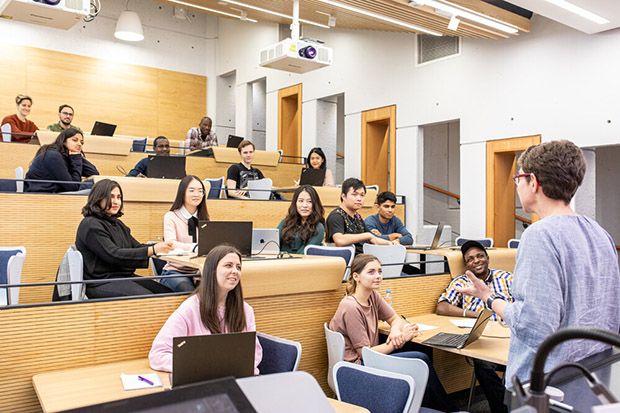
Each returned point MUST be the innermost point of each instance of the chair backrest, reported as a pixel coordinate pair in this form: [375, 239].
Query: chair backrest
[11, 264]
[335, 353]
[265, 184]
[19, 175]
[374, 389]
[486, 242]
[375, 187]
[416, 368]
[6, 132]
[76, 273]
[346, 253]
[182, 146]
[279, 354]
[139, 145]
[513, 243]
[281, 152]
[216, 188]
[388, 254]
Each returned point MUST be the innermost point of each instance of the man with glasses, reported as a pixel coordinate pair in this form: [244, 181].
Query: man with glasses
[161, 146]
[65, 114]
[454, 304]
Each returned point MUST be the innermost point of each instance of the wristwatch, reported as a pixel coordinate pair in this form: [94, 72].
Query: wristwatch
[491, 298]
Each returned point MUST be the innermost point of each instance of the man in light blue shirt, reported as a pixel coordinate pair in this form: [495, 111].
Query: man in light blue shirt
[384, 224]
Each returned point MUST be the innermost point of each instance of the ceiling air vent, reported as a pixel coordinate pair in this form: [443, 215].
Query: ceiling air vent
[432, 48]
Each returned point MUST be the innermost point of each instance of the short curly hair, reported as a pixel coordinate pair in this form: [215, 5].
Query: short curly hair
[559, 167]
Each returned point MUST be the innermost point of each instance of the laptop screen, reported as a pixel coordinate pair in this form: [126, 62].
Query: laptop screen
[311, 176]
[235, 233]
[103, 129]
[168, 167]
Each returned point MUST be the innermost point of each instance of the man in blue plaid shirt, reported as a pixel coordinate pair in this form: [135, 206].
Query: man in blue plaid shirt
[454, 304]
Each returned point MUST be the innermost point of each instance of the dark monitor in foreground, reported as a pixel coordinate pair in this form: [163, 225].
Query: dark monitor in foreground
[103, 129]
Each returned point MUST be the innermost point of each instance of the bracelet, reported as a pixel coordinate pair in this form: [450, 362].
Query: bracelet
[464, 312]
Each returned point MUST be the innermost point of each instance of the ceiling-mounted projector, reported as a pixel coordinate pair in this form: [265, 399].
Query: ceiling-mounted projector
[298, 56]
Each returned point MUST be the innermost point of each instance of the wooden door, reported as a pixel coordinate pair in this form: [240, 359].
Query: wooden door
[379, 148]
[289, 121]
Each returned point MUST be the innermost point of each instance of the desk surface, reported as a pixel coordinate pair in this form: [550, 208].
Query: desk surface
[499, 258]
[492, 346]
[269, 277]
[147, 189]
[70, 389]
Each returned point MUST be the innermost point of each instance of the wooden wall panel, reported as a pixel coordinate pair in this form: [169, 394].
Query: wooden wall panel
[46, 225]
[142, 101]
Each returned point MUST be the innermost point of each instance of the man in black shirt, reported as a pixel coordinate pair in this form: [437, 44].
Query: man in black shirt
[161, 145]
[344, 225]
[240, 173]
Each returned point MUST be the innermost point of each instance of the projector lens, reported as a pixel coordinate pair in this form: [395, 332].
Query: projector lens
[308, 52]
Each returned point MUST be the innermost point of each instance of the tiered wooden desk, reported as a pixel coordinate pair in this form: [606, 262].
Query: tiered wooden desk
[73, 388]
[499, 258]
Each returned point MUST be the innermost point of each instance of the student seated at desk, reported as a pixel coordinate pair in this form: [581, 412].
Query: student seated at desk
[304, 223]
[357, 320]
[65, 120]
[19, 123]
[316, 160]
[453, 303]
[181, 228]
[108, 249]
[240, 173]
[62, 160]
[216, 307]
[161, 146]
[202, 136]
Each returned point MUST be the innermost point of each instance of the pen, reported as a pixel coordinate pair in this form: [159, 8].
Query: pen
[409, 322]
[145, 380]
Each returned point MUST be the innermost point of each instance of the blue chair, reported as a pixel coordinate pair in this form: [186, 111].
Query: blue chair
[215, 192]
[346, 253]
[139, 145]
[513, 243]
[374, 389]
[11, 264]
[486, 242]
[279, 354]
[157, 265]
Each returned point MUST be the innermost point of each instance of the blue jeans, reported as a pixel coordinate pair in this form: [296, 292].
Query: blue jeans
[177, 284]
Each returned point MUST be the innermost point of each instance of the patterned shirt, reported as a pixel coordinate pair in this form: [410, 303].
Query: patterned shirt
[339, 222]
[194, 139]
[500, 282]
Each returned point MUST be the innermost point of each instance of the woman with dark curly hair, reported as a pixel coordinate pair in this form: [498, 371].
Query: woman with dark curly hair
[304, 223]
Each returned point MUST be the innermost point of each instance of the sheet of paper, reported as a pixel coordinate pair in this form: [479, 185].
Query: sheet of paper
[176, 251]
[464, 322]
[426, 327]
[132, 381]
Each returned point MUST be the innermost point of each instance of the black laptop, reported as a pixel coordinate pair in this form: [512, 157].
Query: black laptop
[234, 141]
[168, 167]
[311, 176]
[435, 242]
[462, 340]
[235, 233]
[212, 356]
[103, 129]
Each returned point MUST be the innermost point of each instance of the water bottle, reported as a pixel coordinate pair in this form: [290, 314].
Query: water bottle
[388, 297]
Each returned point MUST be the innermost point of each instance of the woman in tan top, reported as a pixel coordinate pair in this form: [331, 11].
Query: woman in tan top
[357, 320]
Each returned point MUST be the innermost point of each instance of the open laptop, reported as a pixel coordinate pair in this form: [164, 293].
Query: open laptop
[435, 242]
[462, 340]
[168, 167]
[103, 129]
[311, 176]
[235, 233]
[234, 141]
[212, 356]
[265, 241]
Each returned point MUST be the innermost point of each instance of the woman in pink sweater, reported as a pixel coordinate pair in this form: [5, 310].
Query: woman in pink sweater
[216, 307]
[181, 227]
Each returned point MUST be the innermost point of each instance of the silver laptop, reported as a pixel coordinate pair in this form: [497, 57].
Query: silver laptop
[462, 340]
[265, 241]
[435, 242]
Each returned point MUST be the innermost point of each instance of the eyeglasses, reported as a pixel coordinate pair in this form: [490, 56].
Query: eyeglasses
[516, 178]
[66, 113]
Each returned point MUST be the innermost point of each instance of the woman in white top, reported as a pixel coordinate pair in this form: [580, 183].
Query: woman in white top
[181, 227]
[316, 160]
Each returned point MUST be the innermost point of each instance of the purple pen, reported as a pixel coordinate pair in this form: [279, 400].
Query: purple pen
[145, 380]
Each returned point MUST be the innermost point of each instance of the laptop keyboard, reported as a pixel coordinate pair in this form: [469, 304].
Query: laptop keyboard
[447, 340]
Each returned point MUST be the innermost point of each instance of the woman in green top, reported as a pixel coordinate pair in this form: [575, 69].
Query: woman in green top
[304, 223]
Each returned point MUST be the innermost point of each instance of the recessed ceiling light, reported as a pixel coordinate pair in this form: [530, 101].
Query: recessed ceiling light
[195, 6]
[579, 11]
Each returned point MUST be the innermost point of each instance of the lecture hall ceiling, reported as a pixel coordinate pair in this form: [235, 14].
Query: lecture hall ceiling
[422, 16]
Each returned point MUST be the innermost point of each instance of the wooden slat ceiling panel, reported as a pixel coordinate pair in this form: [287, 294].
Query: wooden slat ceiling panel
[396, 9]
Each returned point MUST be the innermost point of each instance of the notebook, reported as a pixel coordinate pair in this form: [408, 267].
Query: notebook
[168, 167]
[235, 233]
[212, 356]
[234, 141]
[103, 129]
[435, 242]
[311, 176]
[462, 340]
[265, 241]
